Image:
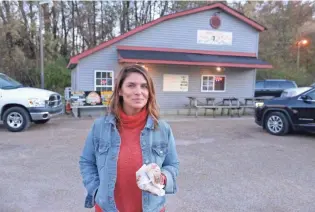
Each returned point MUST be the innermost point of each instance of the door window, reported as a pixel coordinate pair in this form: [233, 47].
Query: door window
[7, 82]
[312, 95]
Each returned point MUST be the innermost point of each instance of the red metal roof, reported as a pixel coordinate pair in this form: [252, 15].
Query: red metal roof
[75, 59]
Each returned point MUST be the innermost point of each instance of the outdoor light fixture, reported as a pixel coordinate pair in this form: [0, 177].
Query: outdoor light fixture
[143, 66]
[304, 42]
[218, 69]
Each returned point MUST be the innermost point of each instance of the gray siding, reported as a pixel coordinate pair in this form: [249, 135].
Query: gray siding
[239, 83]
[103, 60]
[180, 33]
[73, 79]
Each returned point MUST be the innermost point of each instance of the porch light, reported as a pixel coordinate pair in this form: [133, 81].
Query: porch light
[218, 69]
[143, 66]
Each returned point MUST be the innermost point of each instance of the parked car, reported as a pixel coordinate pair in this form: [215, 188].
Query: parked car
[20, 106]
[294, 110]
[273, 87]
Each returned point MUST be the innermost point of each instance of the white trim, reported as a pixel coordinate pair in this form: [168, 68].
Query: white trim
[212, 75]
[106, 71]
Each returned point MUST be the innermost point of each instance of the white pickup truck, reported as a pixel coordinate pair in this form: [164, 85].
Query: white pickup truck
[20, 106]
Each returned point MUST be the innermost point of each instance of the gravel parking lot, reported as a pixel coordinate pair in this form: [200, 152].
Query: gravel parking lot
[227, 164]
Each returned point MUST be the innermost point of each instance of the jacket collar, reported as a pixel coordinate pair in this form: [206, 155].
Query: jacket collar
[110, 118]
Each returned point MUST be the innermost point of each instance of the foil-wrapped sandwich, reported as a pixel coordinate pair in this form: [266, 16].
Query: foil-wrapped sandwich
[149, 179]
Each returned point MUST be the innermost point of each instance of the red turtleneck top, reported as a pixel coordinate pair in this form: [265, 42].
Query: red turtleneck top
[128, 196]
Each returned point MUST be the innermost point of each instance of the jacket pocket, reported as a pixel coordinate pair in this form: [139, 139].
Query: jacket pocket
[159, 153]
[102, 153]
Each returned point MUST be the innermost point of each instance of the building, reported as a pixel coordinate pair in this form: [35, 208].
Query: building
[211, 51]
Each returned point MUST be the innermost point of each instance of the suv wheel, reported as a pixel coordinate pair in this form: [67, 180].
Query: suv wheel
[16, 119]
[277, 123]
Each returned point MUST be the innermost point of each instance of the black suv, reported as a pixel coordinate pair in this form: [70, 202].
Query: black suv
[289, 112]
[272, 87]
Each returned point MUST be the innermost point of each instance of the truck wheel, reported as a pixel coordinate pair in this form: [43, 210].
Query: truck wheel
[16, 119]
[41, 121]
[277, 123]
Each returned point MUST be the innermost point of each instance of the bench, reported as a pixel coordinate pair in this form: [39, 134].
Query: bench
[233, 104]
[197, 104]
[79, 107]
[211, 105]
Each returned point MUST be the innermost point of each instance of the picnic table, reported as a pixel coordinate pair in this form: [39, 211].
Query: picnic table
[231, 104]
[250, 102]
[194, 103]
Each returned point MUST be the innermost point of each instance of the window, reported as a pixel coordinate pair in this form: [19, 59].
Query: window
[104, 81]
[287, 84]
[7, 82]
[311, 94]
[212, 83]
[272, 84]
[259, 85]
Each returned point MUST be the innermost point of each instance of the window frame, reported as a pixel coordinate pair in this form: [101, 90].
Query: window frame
[104, 71]
[212, 75]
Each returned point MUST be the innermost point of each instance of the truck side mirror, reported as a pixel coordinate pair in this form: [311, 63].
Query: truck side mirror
[305, 98]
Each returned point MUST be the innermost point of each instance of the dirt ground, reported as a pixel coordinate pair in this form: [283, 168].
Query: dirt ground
[227, 164]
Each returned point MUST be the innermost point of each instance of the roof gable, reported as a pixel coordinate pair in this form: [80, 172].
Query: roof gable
[75, 59]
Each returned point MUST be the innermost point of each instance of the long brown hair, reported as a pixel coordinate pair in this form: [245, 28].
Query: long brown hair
[116, 101]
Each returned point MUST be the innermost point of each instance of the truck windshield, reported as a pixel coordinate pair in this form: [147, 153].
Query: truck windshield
[8, 83]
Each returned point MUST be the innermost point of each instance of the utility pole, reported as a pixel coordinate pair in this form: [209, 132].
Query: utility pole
[303, 42]
[41, 46]
[41, 2]
[298, 57]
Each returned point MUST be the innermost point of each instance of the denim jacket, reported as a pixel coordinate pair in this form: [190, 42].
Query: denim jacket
[98, 162]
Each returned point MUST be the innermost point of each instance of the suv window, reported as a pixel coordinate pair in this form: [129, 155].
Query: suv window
[311, 94]
[287, 84]
[280, 84]
[272, 84]
[259, 85]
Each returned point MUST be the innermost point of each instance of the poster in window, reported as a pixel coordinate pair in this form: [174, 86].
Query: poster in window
[219, 83]
[175, 82]
[93, 98]
[77, 98]
[106, 97]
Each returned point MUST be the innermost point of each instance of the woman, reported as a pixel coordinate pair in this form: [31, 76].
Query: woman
[120, 143]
